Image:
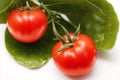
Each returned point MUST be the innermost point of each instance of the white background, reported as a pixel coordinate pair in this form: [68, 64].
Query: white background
[107, 66]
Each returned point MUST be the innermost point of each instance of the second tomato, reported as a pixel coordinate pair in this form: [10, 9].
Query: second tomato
[77, 59]
[27, 26]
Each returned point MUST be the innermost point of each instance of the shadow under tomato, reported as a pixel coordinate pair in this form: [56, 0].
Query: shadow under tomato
[105, 55]
[82, 77]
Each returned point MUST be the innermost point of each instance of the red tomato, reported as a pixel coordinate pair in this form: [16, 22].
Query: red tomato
[27, 26]
[77, 59]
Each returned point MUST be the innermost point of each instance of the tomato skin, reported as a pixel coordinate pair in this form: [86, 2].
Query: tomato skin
[78, 59]
[27, 26]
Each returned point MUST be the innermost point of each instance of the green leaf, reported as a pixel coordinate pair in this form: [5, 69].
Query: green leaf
[33, 55]
[5, 8]
[98, 19]
[5, 4]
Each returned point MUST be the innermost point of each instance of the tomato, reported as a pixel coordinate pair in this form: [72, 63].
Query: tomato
[27, 26]
[77, 59]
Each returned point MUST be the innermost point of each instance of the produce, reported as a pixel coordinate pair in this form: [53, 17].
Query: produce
[77, 59]
[27, 24]
[98, 20]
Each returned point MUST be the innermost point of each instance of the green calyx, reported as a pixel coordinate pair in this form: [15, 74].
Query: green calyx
[70, 42]
[66, 46]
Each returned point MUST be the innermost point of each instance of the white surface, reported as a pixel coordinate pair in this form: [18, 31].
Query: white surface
[107, 66]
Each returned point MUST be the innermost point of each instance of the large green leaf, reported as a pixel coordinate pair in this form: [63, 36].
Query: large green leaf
[98, 20]
[31, 55]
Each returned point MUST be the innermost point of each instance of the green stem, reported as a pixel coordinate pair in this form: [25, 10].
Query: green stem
[19, 5]
[41, 5]
[57, 34]
[76, 33]
[27, 6]
[66, 32]
[65, 18]
[36, 2]
[52, 15]
[46, 9]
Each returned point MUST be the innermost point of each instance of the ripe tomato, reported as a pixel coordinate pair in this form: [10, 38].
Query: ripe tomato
[77, 59]
[27, 26]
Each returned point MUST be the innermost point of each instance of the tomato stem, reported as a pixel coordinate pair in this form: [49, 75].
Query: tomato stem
[65, 18]
[66, 32]
[53, 15]
[20, 6]
[41, 5]
[27, 6]
[36, 2]
[76, 33]
[46, 9]
[60, 38]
